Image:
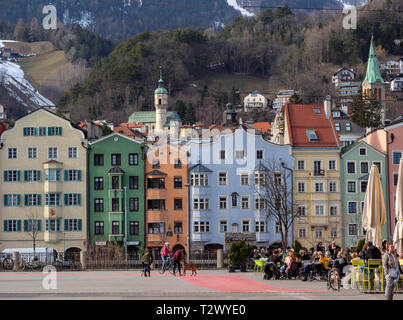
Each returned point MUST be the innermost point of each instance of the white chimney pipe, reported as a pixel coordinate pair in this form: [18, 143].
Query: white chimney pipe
[327, 106]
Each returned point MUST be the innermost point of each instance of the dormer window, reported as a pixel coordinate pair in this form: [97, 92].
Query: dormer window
[311, 134]
[316, 110]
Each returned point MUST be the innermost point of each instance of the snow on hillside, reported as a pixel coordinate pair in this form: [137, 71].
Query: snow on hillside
[12, 78]
[236, 6]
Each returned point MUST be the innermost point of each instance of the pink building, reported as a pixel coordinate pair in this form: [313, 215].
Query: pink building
[390, 141]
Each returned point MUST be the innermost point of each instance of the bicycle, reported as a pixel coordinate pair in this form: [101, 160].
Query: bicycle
[62, 262]
[169, 265]
[333, 280]
[33, 265]
[6, 262]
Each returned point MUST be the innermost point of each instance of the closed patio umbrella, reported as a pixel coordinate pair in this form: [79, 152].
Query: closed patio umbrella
[374, 211]
[398, 233]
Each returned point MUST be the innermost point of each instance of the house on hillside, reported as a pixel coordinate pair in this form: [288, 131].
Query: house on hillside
[396, 85]
[254, 101]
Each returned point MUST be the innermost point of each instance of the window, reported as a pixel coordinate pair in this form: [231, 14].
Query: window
[332, 186]
[221, 155]
[234, 200]
[133, 159]
[333, 211]
[53, 175]
[260, 178]
[156, 183]
[301, 165]
[12, 175]
[72, 152]
[332, 164]
[260, 204]
[32, 153]
[396, 157]
[72, 225]
[178, 228]
[32, 200]
[395, 178]
[311, 134]
[115, 204]
[133, 204]
[156, 228]
[156, 164]
[134, 228]
[32, 225]
[223, 226]
[12, 200]
[29, 131]
[351, 186]
[99, 183]
[318, 233]
[201, 226]
[337, 126]
[115, 227]
[333, 232]
[364, 167]
[350, 167]
[199, 180]
[54, 131]
[378, 164]
[200, 204]
[115, 159]
[244, 179]
[98, 159]
[352, 229]
[53, 199]
[316, 110]
[222, 178]
[99, 227]
[278, 179]
[363, 151]
[156, 204]
[348, 126]
[223, 203]
[32, 175]
[302, 233]
[72, 175]
[259, 154]
[178, 182]
[12, 153]
[239, 154]
[319, 210]
[178, 204]
[178, 164]
[260, 226]
[12, 225]
[318, 186]
[245, 203]
[52, 152]
[277, 227]
[364, 186]
[99, 205]
[42, 131]
[115, 182]
[352, 207]
[133, 182]
[301, 186]
[301, 211]
[52, 225]
[72, 199]
[245, 225]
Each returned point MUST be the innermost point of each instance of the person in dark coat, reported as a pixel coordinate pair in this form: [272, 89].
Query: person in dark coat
[147, 259]
[177, 258]
[319, 247]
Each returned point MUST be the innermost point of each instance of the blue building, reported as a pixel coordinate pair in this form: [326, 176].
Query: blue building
[224, 203]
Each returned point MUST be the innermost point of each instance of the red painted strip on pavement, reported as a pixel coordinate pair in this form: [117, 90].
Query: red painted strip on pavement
[236, 284]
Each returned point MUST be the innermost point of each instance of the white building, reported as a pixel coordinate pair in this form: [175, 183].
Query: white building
[254, 101]
[396, 85]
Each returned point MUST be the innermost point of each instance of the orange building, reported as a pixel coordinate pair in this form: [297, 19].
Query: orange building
[166, 197]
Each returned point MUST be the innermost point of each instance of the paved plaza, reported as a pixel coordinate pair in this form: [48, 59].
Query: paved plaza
[207, 285]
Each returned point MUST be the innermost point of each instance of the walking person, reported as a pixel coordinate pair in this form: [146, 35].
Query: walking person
[147, 259]
[177, 258]
[165, 255]
[392, 271]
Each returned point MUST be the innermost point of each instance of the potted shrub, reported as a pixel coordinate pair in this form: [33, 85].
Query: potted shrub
[238, 254]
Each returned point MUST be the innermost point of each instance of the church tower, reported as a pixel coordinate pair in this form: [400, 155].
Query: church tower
[161, 105]
[373, 84]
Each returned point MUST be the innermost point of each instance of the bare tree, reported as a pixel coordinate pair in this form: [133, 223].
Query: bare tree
[273, 184]
[33, 227]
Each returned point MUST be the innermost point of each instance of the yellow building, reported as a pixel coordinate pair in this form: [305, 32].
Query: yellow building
[311, 132]
[43, 159]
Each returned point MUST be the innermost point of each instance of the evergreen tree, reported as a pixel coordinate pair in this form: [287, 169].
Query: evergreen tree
[366, 112]
[180, 108]
[295, 99]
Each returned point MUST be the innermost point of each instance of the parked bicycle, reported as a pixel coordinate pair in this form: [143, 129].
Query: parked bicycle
[33, 265]
[333, 280]
[6, 262]
[61, 262]
[169, 266]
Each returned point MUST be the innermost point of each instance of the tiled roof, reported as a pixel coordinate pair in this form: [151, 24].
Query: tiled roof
[200, 168]
[262, 126]
[303, 118]
[156, 173]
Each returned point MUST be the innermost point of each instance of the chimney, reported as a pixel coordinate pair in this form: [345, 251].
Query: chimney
[327, 106]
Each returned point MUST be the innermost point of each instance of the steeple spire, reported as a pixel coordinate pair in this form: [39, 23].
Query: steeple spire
[373, 72]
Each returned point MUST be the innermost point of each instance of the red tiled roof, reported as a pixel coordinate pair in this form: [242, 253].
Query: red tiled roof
[123, 130]
[302, 117]
[262, 126]
[132, 124]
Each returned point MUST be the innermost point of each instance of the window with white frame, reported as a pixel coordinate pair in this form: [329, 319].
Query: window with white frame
[239, 154]
[260, 204]
[12, 153]
[333, 232]
[52, 152]
[223, 203]
[32, 153]
[301, 186]
[200, 204]
[201, 226]
[350, 167]
[332, 186]
[300, 165]
[301, 211]
[260, 226]
[364, 167]
[318, 233]
[352, 207]
[319, 187]
[221, 154]
[245, 202]
[351, 186]
[319, 210]
[244, 179]
[277, 228]
[260, 178]
[199, 180]
[222, 178]
[302, 233]
[333, 211]
[223, 226]
[72, 152]
[245, 226]
[332, 164]
[259, 154]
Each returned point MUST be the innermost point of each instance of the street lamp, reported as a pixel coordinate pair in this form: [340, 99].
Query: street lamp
[125, 223]
[292, 195]
[188, 216]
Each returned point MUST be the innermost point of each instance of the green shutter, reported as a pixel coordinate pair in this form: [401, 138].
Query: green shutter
[6, 200]
[25, 225]
[66, 175]
[79, 199]
[38, 199]
[18, 200]
[25, 132]
[39, 222]
[49, 131]
[42, 131]
[66, 199]
[79, 223]
[25, 175]
[38, 175]
[5, 175]
[60, 131]
[18, 225]
[35, 131]
[18, 175]
[5, 225]
[25, 200]
[66, 225]
[79, 175]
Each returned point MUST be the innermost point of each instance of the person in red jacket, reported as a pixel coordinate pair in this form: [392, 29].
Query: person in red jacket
[177, 258]
[165, 255]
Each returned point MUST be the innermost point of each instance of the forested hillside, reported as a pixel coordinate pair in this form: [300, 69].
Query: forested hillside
[290, 51]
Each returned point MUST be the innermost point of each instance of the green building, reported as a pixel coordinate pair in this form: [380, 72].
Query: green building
[116, 192]
[356, 162]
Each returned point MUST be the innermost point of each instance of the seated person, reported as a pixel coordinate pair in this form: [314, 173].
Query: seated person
[309, 266]
[339, 263]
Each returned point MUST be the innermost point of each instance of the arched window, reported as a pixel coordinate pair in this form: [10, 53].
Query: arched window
[380, 94]
[234, 199]
[159, 101]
